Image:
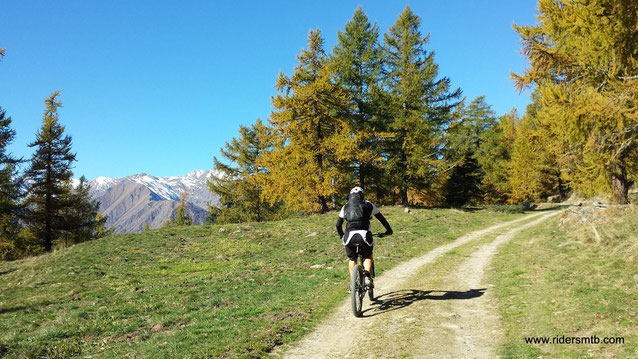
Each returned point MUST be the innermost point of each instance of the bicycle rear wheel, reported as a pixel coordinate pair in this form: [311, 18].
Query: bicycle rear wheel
[357, 290]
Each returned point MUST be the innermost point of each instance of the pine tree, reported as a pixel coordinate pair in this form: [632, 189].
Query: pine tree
[464, 140]
[421, 106]
[181, 217]
[145, 227]
[311, 136]
[50, 173]
[583, 62]
[358, 60]
[82, 220]
[240, 193]
[10, 208]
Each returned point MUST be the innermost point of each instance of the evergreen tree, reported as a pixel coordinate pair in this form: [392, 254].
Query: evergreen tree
[10, 208]
[464, 140]
[358, 59]
[181, 217]
[583, 62]
[311, 136]
[240, 193]
[145, 227]
[82, 220]
[50, 173]
[421, 106]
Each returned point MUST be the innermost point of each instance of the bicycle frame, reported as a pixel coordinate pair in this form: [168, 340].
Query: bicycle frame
[358, 289]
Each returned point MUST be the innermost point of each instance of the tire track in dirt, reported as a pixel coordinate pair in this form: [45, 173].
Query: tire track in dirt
[473, 326]
[342, 335]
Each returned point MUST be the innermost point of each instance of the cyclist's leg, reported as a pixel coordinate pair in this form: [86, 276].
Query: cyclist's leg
[351, 253]
[367, 253]
[367, 264]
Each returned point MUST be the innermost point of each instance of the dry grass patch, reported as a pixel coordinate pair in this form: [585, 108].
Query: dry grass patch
[576, 279]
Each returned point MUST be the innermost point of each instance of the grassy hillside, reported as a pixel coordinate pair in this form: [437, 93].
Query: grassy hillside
[578, 279]
[222, 291]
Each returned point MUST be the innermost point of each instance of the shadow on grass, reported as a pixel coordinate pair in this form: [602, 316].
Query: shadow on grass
[28, 307]
[11, 310]
[8, 271]
[557, 207]
[403, 298]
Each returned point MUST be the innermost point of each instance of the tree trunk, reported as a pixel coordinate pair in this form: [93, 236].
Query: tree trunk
[404, 196]
[324, 204]
[403, 189]
[47, 241]
[562, 191]
[620, 185]
[48, 235]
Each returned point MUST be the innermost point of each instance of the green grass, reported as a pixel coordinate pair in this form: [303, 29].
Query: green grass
[554, 281]
[201, 291]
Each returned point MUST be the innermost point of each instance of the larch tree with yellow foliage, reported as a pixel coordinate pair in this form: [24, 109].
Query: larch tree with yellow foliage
[181, 216]
[584, 62]
[535, 171]
[313, 142]
[239, 191]
[494, 157]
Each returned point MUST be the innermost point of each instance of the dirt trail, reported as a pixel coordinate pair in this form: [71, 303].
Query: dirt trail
[458, 322]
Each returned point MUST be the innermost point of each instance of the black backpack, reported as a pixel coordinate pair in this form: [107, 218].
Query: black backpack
[356, 212]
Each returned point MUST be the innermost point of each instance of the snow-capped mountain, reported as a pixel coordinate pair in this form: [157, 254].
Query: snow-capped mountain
[132, 201]
[167, 188]
[101, 184]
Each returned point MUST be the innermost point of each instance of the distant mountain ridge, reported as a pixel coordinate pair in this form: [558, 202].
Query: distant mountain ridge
[132, 201]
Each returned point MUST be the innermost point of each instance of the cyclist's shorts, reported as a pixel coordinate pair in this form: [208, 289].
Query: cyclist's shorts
[364, 249]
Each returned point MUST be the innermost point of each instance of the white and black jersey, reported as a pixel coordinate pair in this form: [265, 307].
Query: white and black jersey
[369, 210]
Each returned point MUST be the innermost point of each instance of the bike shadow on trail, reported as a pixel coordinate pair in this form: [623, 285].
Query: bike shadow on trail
[402, 298]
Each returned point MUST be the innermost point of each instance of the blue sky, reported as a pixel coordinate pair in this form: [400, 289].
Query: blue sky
[159, 86]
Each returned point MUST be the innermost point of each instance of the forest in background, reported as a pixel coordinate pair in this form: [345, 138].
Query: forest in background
[375, 112]
[378, 114]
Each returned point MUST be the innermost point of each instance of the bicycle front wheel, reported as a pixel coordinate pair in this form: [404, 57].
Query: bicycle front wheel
[357, 290]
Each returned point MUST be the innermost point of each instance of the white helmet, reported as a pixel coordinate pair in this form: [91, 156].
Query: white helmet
[356, 190]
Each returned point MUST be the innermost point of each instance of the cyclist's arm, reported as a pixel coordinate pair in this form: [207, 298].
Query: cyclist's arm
[339, 224]
[388, 229]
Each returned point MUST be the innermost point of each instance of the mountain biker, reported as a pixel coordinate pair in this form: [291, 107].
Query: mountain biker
[358, 212]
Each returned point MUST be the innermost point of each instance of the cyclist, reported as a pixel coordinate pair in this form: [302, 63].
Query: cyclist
[358, 212]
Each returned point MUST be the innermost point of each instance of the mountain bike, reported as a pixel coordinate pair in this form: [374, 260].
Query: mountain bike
[358, 289]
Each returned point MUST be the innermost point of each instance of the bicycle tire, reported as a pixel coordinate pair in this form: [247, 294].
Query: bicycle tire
[356, 287]
[372, 270]
[371, 290]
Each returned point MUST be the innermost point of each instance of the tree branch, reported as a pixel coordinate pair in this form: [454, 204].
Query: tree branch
[624, 78]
